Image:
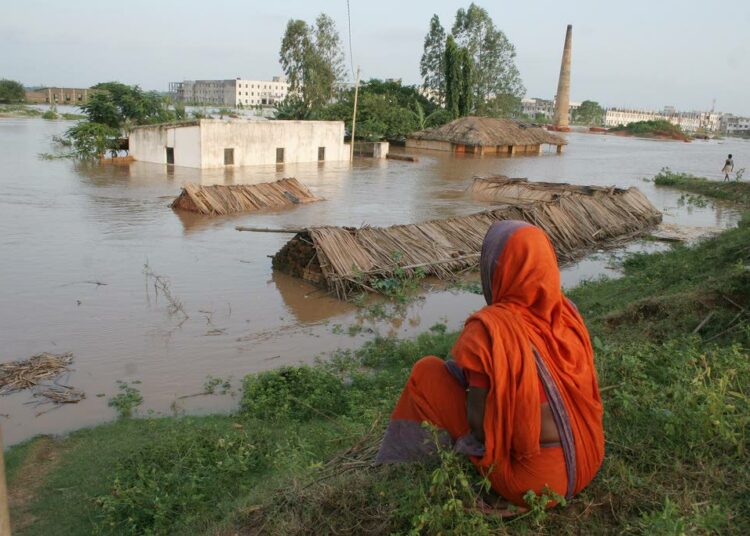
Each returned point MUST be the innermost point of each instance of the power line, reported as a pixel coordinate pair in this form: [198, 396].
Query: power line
[351, 54]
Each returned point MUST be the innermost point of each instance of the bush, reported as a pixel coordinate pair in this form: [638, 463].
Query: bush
[172, 482]
[11, 91]
[298, 393]
[49, 114]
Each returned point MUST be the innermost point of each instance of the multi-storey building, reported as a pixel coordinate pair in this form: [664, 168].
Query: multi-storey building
[688, 121]
[733, 125]
[546, 107]
[238, 92]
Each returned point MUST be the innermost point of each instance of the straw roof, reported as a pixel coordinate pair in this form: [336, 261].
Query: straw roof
[489, 131]
[344, 259]
[220, 199]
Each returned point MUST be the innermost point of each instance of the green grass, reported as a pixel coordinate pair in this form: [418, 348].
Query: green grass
[677, 424]
[735, 191]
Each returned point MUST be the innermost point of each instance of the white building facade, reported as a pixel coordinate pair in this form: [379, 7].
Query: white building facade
[733, 125]
[546, 107]
[214, 143]
[688, 121]
[237, 92]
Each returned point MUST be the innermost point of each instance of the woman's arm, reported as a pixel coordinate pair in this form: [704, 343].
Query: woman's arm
[475, 401]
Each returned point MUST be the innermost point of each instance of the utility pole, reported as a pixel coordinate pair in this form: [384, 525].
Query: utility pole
[354, 114]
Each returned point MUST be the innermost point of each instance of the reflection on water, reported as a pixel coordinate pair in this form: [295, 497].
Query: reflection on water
[66, 224]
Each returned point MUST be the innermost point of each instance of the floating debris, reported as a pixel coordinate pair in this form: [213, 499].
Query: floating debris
[28, 373]
[219, 199]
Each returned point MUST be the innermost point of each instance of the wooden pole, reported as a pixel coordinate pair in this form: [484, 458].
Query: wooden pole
[354, 114]
[4, 513]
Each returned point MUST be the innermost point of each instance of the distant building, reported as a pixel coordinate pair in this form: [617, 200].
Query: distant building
[688, 121]
[238, 92]
[58, 95]
[215, 143]
[546, 107]
[733, 125]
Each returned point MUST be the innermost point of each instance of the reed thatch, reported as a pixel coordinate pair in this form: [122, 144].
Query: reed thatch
[219, 200]
[343, 258]
[488, 132]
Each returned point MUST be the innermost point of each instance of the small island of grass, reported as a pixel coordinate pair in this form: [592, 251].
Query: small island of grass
[657, 128]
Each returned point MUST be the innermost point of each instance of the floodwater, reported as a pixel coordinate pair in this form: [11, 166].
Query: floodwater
[75, 239]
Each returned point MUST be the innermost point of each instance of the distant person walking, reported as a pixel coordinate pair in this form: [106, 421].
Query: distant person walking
[728, 167]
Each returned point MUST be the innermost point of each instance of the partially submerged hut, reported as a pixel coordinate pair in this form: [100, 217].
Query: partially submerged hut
[221, 199]
[344, 259]
[486, 135]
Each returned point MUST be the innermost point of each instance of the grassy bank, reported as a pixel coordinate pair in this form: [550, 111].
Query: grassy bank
[671, 340]
[658, 128]
[734, 191]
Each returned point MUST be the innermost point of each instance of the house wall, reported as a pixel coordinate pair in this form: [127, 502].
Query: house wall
[429, 144]
[255, 142]
[149, 144]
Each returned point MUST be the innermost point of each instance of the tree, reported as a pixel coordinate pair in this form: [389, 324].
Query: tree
[432, 64]
[589, 113]
[452, 77]
[312, 60]
[493, 55]
[11, 91]
[466, 95]
[93, 140]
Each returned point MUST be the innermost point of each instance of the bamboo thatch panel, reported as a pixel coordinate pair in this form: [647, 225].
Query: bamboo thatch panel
[577, 220]
[219, 200]
[489, 132]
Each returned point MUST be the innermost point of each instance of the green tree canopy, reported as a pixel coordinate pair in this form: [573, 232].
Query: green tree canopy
[386, 110]
[495, 71]
[432, 64]
[589, 113]
[11, 91]
[312, 60]
[452, 77]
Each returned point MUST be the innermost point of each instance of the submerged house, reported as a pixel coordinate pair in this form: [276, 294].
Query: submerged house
[216, 143]
[486, 135]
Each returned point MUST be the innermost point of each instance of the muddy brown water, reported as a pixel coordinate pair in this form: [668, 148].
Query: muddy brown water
[75, 239]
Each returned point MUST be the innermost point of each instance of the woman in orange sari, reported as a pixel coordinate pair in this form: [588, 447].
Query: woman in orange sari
[520, 397]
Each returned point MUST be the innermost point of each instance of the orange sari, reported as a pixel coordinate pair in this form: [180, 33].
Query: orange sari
[528, 333]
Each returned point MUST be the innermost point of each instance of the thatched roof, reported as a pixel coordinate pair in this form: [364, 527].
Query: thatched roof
[344, 259]
[488, 131]
[219, 199]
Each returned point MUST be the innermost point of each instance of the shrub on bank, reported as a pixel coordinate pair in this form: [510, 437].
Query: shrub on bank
[297, 393]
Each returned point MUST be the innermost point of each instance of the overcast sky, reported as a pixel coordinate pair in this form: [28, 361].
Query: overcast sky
[639, 53]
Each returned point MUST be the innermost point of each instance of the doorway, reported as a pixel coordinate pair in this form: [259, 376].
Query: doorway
[170, 155]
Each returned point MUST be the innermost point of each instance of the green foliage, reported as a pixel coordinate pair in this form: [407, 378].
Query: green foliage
[736, 191]
[503, 105]
[298, 393]
[660, 128]
[492, 53]
[589, 113]
[466, 95]
[126, 400]
[312, 60]
[448, 504]
[92, 140]
[121, 106]
[432, 64]
[452, 77]
[385, 110]
[49, 114]
[171, 483]
[11, 92]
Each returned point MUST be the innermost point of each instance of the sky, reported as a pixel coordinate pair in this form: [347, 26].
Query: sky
[639, 53]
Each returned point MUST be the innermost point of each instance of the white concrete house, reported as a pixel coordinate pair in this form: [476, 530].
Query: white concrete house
[215, 143]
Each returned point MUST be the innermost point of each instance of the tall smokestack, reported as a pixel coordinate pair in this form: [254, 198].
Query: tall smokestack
[562, 104]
